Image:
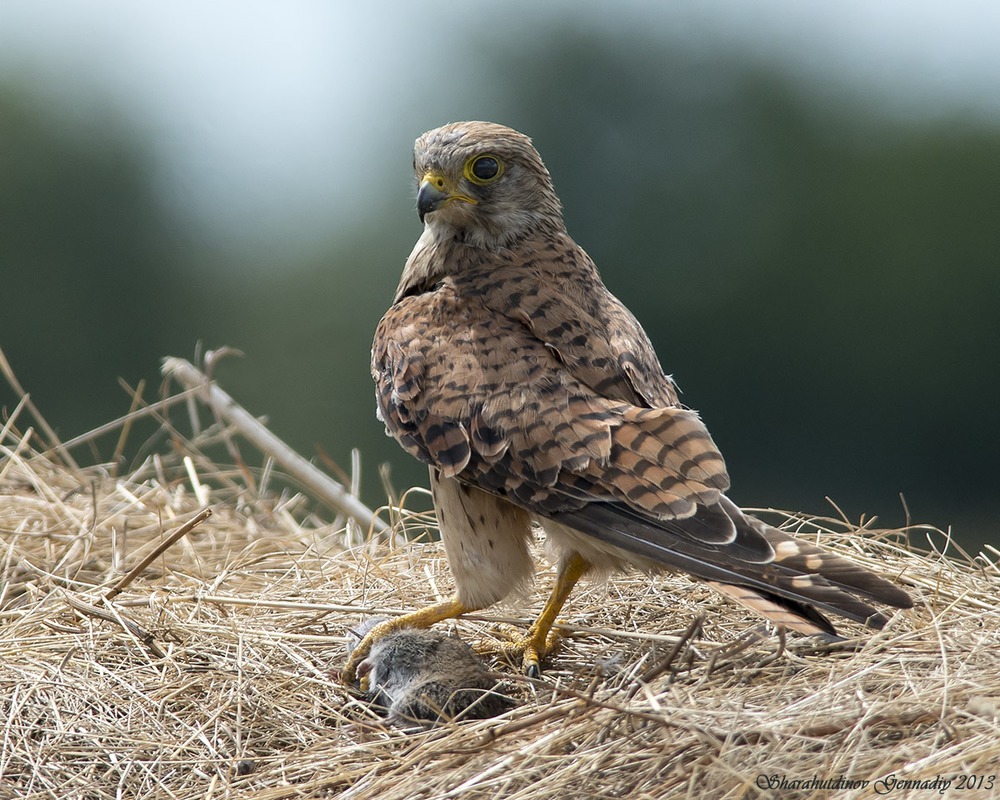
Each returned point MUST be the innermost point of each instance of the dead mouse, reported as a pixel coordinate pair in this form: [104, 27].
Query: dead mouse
[419, 676]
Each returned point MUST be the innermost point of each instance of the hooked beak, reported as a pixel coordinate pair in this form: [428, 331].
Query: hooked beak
[431, 195]
[434, 192]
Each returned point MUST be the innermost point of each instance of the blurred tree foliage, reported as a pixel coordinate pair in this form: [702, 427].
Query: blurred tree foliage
[820, 278]
[87, 259]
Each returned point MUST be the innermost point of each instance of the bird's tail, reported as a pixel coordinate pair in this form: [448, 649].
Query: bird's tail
[787, 580]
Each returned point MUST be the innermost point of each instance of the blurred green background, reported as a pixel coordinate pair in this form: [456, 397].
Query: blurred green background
[800, 206]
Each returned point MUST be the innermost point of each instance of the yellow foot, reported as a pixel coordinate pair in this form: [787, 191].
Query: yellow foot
[525, 650]
[541, 639]
[423, 618]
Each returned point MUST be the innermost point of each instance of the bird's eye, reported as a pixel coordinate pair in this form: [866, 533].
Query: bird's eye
[483, 169]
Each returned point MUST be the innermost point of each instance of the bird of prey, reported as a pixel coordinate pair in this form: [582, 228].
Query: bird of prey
[535, 396]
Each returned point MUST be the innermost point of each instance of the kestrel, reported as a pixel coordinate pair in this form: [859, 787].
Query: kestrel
[535, 396]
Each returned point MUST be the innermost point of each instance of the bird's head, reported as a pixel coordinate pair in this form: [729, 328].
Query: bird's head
[484, 184]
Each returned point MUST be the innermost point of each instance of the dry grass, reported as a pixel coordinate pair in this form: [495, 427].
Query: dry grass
[212, 674]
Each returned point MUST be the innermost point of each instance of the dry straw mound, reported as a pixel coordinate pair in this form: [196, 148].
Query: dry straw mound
[212, 672]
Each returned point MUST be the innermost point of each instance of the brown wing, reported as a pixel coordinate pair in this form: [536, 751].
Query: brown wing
[478, 396]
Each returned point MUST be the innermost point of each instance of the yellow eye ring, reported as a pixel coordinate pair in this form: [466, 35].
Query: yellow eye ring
[483, 169]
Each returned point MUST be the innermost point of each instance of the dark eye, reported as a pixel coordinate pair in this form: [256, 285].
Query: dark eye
[483, 169]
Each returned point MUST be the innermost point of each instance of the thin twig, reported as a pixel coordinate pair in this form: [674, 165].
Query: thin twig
[127, 425]
[176, 536]
[120, 619]
[654, 672]
[8, 426]
[23, 396]
[132, 416]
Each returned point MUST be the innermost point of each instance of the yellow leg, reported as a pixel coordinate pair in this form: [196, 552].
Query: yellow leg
[423, 618]
[539, 640]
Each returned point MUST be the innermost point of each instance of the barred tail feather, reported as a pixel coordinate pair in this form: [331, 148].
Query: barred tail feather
[792, 586]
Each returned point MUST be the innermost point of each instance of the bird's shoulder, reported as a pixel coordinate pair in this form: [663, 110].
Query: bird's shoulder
[550, 286]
